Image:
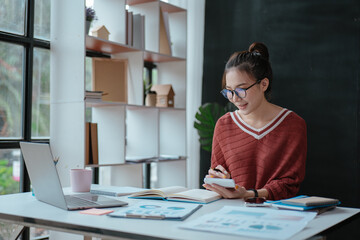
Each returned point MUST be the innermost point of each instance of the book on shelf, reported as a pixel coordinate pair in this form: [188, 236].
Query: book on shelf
[126, 26]
[177, 193]
[114, 191]
[87, 143]
[129, 28]
[91, 144]
[157, 210]
[304, 203]
[138, 31]
[94, 143]
[94, 95]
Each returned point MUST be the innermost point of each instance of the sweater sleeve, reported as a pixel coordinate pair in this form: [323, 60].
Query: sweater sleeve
[217, 156]
[285, 181]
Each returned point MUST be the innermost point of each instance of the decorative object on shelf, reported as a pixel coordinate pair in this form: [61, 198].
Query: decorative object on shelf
[100, 32]
[150, 96]
[150, 99]
[164, 39]
[164, 95]
[90, 16]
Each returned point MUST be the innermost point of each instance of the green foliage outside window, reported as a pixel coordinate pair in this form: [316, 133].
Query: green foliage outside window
[10, 89]
[7, 184]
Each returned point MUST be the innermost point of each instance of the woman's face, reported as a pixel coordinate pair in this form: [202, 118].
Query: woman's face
[254, 95]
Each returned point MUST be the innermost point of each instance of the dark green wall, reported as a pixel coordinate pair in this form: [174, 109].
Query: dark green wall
[314, 51]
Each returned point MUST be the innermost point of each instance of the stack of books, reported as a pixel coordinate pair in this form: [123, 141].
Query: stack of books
[305, 203]
[94, 95]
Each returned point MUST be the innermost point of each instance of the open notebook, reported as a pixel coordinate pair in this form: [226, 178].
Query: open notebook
[177, 193]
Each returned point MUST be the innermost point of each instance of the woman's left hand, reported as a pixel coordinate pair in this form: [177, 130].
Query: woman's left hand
[237, 192]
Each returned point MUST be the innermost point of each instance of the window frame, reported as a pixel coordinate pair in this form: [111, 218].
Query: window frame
[29, 42]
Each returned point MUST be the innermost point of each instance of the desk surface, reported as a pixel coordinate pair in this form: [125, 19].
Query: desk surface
[24, 209]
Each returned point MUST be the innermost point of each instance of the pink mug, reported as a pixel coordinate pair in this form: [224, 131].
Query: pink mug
[80, 180]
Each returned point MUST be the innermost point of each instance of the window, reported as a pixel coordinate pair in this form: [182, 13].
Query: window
[11, 82]
[42, 19]
[12, 17]
[40, 127]
[24, 89]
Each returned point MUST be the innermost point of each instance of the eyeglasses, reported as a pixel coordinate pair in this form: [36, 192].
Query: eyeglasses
[240, 92]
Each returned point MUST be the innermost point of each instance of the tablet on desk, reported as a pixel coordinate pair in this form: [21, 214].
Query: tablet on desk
[224, 182]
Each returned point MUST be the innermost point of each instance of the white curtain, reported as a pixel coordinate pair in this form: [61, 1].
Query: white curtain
[195, 55]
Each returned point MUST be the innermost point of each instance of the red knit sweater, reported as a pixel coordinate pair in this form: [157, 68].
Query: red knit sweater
[272, 157]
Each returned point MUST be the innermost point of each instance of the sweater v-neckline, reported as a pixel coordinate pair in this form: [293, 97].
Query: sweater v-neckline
[259, 133]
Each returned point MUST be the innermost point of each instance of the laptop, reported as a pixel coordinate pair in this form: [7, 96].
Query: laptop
[46, 183]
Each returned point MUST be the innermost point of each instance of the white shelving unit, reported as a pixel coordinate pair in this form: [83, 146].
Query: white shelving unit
[124, 129]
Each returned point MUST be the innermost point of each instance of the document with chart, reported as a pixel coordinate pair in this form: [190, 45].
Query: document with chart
[157, 210]
[253, 222]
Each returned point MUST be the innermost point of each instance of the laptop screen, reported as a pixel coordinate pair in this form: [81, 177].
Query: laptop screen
[43, 174]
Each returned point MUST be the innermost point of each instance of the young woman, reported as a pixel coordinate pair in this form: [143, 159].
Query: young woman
[261, 146]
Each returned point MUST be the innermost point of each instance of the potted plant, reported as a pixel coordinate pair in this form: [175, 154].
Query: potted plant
[206, 118]
[90, 16]
[150, 96]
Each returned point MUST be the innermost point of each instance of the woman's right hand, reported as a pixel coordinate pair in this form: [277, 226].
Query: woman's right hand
[218, 172]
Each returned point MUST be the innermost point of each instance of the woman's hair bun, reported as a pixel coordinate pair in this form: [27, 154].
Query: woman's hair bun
[260, 48]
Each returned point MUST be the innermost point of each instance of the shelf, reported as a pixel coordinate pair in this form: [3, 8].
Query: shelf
[135, 2]
[105, 46]
[92, 103]
[158, 57]
[162, 129]
[155, 160]
[96, 103]
[109, 47]
[166, 7]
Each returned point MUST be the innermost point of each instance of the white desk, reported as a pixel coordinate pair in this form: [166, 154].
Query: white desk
[24, 209]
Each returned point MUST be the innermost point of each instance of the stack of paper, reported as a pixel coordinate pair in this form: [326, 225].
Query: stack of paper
[252, 222]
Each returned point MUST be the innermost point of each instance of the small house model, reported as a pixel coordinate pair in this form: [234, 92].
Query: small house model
[101, 32]
[164, 95]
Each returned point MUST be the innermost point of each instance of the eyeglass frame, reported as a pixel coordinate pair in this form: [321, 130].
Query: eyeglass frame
[225, 91]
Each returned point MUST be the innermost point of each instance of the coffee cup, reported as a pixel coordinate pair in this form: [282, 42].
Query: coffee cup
[80, 180]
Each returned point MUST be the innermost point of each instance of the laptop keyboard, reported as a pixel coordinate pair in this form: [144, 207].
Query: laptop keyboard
[78, 202]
